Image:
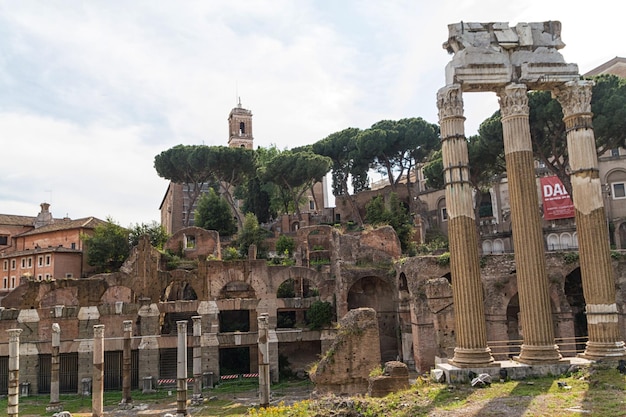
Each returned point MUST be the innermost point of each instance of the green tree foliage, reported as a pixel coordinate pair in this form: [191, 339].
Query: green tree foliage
[285, 245]
[108, 247]
[394, 148]
[319, 315]
[486, 160]
[296, 172]
[185, 164]
[286, 289]
[257, 199]
[232, 167]
[214, 213]
[260, 196]
[394, 214]
[252, 233]
[198, 166]
[156, 233]
[341, 148]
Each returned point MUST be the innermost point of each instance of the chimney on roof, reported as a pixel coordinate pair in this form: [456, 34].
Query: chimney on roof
[44, 217]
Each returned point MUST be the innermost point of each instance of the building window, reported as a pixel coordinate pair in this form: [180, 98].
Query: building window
[444, 214]
[619, 190]
[39, 277]
[69, 275]
[5, 266]
[73, 245]
[311, 205]
[12, 282]
[242, 128]
[4, 240]
[13, 263]
[615, 152]
[47, 276]
[23, 263]
[5, 282]
[48, 259]
[40, 261]
[30, 262]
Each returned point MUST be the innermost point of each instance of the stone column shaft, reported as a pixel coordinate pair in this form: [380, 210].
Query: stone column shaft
[97, 404]
[197, 360]
[264, 361]
[591, 223]
[532, 278]
[55, 365]
[126, 362]
[471, 336]
[14, 372]
[181, 370]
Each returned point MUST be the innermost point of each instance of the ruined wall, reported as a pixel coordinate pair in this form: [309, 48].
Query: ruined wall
[345, 367]
[412, 298]
[432, 309]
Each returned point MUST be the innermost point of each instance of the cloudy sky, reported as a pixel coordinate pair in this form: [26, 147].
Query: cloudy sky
[91, 91]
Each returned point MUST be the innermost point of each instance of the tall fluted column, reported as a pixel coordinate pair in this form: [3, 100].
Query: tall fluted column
[264, 361]
[532, 278]
[14, 373]
[593, 239]
[126, 363]
[181, 370]
[97, 404]
[471, 336]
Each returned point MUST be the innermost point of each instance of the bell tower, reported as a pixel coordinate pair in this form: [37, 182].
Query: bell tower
[240, 128]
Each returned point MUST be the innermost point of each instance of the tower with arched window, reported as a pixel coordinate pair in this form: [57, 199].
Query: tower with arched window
[240, 128]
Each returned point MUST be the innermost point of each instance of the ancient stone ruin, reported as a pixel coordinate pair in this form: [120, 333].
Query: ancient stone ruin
[355, 352]
[395, 377]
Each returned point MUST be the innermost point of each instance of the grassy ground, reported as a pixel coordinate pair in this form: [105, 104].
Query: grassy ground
[598, 391]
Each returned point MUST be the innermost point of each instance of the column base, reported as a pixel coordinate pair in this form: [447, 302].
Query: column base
[472, 358]
[534, 354]
[597, 351]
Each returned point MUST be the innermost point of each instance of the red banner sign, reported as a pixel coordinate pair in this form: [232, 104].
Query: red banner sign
[557, 203]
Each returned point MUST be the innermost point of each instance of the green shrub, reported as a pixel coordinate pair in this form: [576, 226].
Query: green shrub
[570, 257]
[285, 245]
[319, 315]
[444, 259]
[231, 254]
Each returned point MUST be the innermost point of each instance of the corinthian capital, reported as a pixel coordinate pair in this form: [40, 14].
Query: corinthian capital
[513, 100]
[450, 101]
[574, 96]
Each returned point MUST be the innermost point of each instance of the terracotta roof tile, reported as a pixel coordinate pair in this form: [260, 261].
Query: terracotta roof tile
[65, 224]
[15, 220]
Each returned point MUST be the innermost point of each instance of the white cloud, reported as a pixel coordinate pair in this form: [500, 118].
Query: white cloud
[92, 91]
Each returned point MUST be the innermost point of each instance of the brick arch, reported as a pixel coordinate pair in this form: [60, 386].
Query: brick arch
[67, 296]
[179, 290]
[117, 293]
[237, 289]
[296, 272]
[381, 295]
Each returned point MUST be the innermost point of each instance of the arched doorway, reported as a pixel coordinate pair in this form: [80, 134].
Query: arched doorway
[575, 298]
[513, 326]
[375, 293]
